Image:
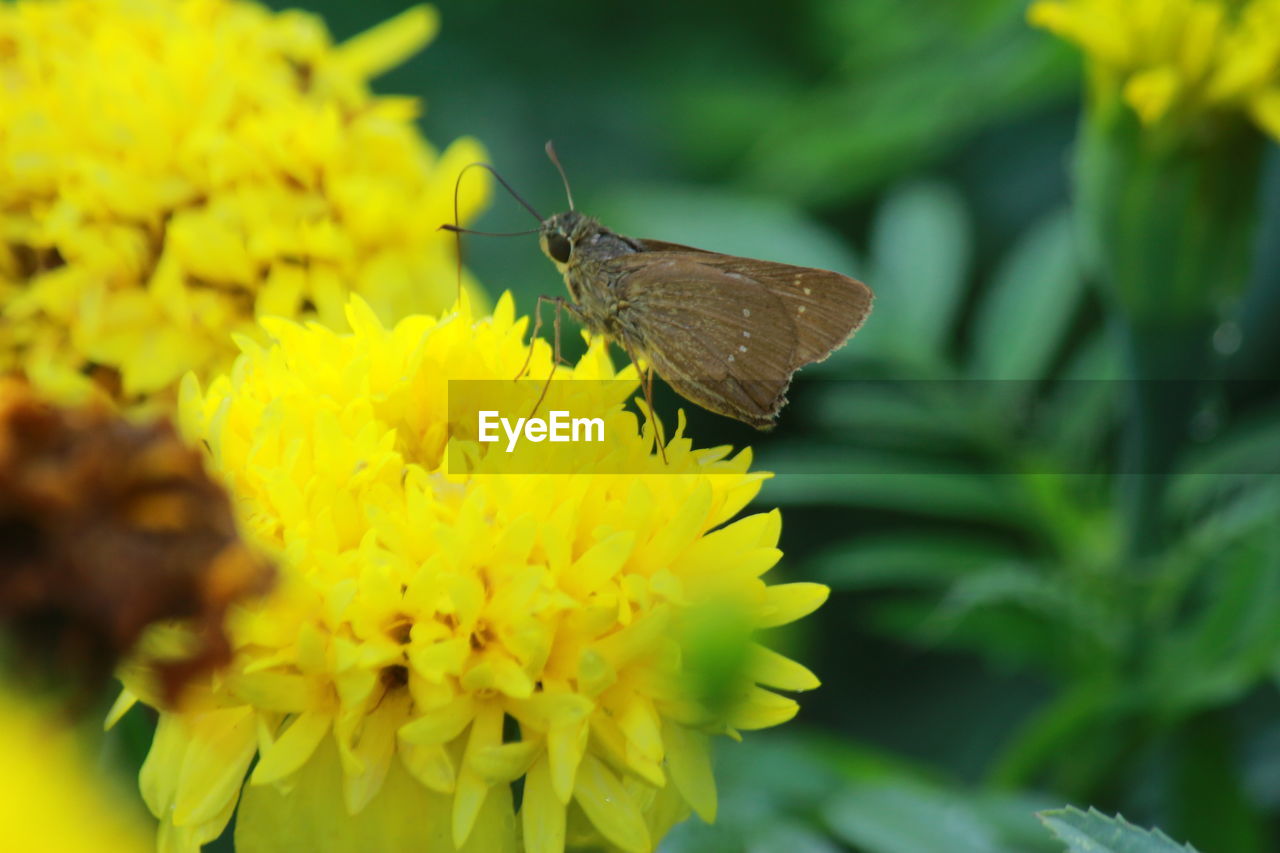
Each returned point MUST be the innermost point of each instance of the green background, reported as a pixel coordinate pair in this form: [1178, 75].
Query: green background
[992, 647]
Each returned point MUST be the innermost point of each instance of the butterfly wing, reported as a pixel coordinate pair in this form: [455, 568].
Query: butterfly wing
[719, 338]
[826, 307]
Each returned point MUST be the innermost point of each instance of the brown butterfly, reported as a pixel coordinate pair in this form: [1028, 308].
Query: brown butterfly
[725, 332]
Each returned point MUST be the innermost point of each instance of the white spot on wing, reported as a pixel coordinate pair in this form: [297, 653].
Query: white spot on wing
[741, 348]
[746, 312]
[800, 310]
[745, 333]
[731, 358]
[807, 291]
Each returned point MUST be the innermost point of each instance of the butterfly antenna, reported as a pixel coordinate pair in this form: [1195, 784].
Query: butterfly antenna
[536, 215]
[458, 231]
[551, 152]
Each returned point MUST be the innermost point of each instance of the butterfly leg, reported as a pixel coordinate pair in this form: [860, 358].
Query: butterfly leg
[646, 385]
[556, 360]
[648, 397]
[533, 336]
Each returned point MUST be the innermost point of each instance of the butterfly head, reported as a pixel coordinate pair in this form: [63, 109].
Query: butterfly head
[560, 235]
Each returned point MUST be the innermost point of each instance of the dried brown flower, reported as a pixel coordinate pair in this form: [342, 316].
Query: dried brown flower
[107, 526]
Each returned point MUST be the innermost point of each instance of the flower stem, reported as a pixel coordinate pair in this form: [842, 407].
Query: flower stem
[1166, 372]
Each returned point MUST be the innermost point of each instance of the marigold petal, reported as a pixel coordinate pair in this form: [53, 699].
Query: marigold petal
[495, 825]
[293, 748]
[472, 789]
[1096, 34]
[431, 765]
[610, 807]
[389, 43]
[761, 709]
[689, 520]
[1265, 109]
[566, 745]
[737, 497]
[190, 839]
[162, 768]
[610, 744]
[689, 761]
[278, 691]
[640, 724]
[787, 602]
[220, 745]
[375, 748]
[549, 708]
[542, 812]
[126, 700]
[724, 546]
[436, 660]
[404, 816]
[505, 763]
[1152, 92]
[771, 669]
[598, 564]
[440, 725]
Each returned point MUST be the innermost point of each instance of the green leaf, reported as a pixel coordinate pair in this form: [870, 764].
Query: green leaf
[1076, 417]
[789, 837]
[901, 817]
[909, 80]
[1235, 508]
[1066, 735]
[1094, 832]
[1231, 640]
[1031, 302]
[918, 559]
[886, 795]
[1013, 817]
[888, 481]
[935, 415]
[1247, 453]
[1036, 589]
[921, 249]
[833, 758]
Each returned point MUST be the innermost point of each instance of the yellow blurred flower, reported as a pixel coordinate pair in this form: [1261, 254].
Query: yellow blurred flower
[52, 798]
[1174, 58]
[439, 634]
[172, 169]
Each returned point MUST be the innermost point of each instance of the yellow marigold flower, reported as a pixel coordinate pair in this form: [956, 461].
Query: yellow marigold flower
[438, 634]
[110, 526]
[1172, 57]
[52, 798]
[172, 169]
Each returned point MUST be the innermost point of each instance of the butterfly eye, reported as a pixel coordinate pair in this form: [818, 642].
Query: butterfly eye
[558, 247]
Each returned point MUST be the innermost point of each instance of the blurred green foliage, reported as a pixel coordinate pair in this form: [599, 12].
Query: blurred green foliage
[1093, 832]
[993, 647]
